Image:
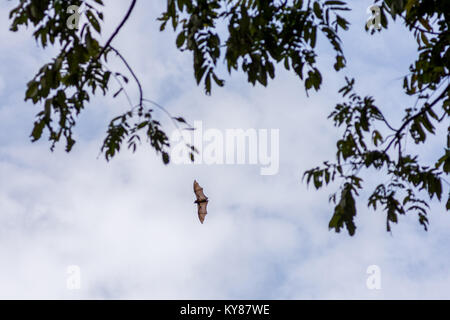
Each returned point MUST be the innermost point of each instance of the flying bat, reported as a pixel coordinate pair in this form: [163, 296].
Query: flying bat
[201, 201]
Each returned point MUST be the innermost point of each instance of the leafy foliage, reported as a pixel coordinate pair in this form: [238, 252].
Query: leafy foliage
[260, 35]
[362, 145]
[64, 86]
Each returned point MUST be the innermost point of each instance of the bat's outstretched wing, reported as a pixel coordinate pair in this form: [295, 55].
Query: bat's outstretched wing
[199, 192]
[202, 211]
[202, 201]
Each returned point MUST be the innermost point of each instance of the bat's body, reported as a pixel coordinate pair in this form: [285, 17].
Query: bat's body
[202, 201]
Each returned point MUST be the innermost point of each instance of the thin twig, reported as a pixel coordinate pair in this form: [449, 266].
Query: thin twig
[167, 113]
[423, 111]
[141, 95]
[130, 9]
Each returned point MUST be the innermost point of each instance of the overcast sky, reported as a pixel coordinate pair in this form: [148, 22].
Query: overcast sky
[131, 224]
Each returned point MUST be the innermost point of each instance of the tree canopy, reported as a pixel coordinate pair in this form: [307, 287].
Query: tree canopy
[261, 36]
